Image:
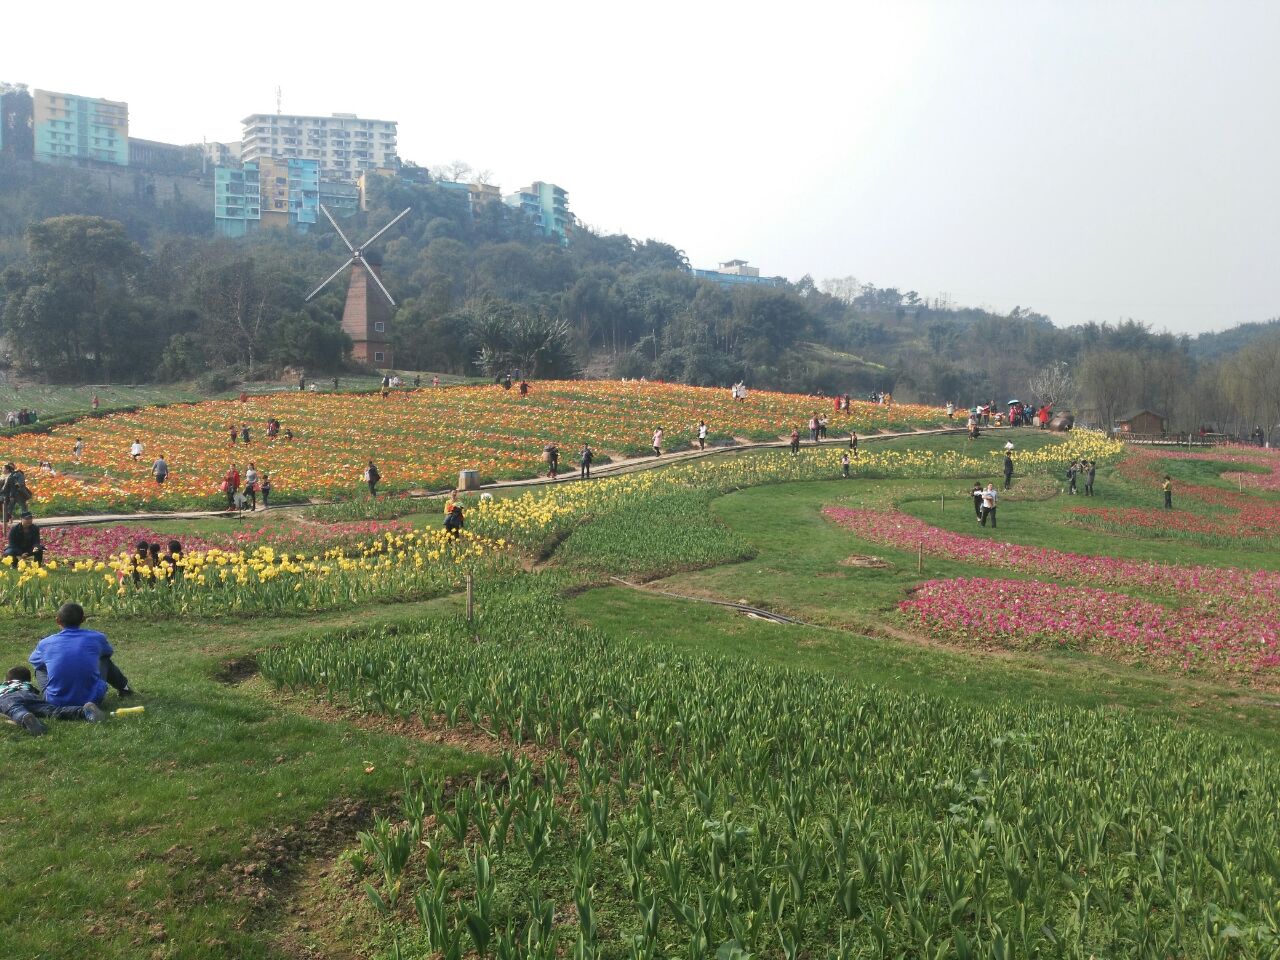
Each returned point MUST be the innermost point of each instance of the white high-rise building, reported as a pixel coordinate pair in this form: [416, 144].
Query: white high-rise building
[345, 145]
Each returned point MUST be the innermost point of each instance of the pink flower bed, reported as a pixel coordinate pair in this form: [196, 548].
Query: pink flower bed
[1024, 614]
[1258, 481]
[319, 536]
[1224, 588]
[103, 543]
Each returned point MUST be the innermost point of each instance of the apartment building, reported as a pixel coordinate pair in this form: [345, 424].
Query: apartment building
[267, 193]
[343, 144]
[73, 129]
[546, 206]
[738, 273]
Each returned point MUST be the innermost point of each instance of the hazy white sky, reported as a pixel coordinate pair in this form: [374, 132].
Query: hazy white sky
[1091, 160]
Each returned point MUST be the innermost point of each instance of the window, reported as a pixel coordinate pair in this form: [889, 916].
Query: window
[379, 326]
[379, 356]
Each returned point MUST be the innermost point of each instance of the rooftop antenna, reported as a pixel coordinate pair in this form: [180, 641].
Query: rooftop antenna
[279, 97]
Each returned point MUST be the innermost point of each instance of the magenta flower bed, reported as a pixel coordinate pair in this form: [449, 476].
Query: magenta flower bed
[1027, 614]
[318, 536]
[103, 543]
[1227, 589]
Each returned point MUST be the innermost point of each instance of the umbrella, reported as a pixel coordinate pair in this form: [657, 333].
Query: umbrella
[1010, 403]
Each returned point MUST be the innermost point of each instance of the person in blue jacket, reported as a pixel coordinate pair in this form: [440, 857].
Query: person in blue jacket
[74, 665]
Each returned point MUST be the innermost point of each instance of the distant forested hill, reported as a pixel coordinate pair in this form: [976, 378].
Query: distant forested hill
[1211, 346]
[117, 276]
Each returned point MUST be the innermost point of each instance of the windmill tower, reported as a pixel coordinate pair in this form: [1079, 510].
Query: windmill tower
[367, 315]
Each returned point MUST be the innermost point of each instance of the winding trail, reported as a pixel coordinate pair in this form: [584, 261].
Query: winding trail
[617, 468]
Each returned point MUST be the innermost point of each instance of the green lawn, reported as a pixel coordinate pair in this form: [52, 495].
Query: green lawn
[131, 837]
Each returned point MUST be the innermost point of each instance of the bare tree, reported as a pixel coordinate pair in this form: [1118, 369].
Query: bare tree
[458, 171]
[847, 289]
[1109, 379]
[1053, 384]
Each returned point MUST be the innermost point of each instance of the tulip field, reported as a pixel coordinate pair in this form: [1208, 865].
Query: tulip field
[744, 793]
[320, 566]
[419, 438]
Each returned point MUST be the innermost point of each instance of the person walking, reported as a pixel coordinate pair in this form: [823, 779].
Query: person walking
[813, 429]
[231, 485]
[795, 441]
[585, 458]
[1073, 471]
[371, 477]
[160, 470]
[266, 490]
[251, 485]
[989, 500]
[231, 428]
[657, 442]
[551, 453]
[844, 464]
[702, 434]
[853, 443]
[244, 434]
[14, 494]
[976, 493]
[1091, 470]
[1008, 470]
[1167, 487]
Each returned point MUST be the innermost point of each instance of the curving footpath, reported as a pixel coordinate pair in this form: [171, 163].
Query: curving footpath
[630, 465]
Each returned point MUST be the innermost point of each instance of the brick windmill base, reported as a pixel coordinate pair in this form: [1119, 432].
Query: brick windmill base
[366, 318]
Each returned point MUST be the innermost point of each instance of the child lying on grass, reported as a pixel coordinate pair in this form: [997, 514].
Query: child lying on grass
[25, 705]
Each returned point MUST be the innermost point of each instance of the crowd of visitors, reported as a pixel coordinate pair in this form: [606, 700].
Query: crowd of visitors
[20, 418]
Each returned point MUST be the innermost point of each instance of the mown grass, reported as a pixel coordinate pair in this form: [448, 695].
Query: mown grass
[120, 840]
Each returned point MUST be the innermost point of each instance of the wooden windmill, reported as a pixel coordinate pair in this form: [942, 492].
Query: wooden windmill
[367, 315]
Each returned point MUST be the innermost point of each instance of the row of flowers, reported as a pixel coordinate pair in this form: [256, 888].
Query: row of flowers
[393, 567]
[1022, 614]
[1222, 588]
[103, 543]
[1225, 517]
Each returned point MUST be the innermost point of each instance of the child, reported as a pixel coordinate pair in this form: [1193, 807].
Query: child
[454, 522]
[266, 490]
[24, 705]
[174, 559]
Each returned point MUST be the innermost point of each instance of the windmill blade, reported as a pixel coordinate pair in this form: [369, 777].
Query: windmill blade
[325, 211]
[331, 277]
[394, 221]
[369, 270]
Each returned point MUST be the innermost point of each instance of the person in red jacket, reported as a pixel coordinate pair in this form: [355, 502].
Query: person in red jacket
[231, 484]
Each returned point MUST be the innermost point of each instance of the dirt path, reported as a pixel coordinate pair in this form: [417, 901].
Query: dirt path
[632, 465]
